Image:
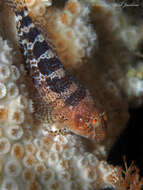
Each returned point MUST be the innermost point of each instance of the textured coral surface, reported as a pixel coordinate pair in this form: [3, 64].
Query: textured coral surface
[97, 43]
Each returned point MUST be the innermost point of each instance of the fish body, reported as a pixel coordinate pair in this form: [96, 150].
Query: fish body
[66, 100]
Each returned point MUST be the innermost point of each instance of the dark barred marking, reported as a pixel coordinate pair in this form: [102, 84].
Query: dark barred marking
[34, 71]
[48, 66]
[29, 55]
[59, 85]
[76, 97]
[31, 35]
[26, 21]
[21, 13]
[40, 48]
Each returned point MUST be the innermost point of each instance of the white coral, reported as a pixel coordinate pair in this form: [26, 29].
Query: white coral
[4, 146]
[39, 6]
[3, 90]
[12, 168]
[9, 183]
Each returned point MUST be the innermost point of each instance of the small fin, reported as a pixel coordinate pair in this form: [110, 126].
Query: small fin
[42, 110]
[16, 5]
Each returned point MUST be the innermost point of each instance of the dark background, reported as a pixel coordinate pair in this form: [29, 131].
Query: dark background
[130, 142]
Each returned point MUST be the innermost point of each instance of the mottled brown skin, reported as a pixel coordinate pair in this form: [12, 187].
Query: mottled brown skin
[62, 98]
[84, 120]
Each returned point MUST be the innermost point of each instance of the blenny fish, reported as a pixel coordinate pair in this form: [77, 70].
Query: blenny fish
[67, 101]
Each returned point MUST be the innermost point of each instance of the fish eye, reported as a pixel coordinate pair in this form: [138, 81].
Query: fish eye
[95, 121]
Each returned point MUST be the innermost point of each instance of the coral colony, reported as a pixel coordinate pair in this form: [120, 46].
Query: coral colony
[54, 134]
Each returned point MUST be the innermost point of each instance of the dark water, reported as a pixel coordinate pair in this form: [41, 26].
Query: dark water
[130, 143]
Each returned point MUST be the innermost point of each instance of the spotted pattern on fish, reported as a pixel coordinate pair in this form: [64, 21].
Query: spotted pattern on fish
[65, 100]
